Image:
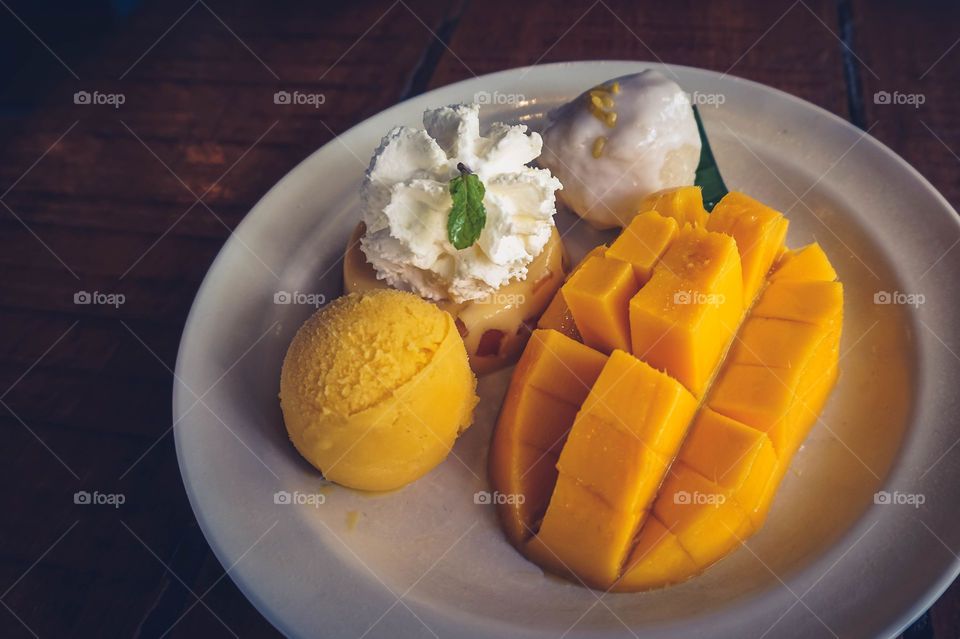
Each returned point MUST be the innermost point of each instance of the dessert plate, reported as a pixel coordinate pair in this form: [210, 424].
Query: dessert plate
[859, 539]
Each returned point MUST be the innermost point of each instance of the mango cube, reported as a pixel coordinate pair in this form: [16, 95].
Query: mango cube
[807, 263]
[776, 343]
[707, 523]
[813, 387]
[549, 383]
[814, 302]
[758, 396]
[656, 560]
[739, 459]
[682, 320]
[548, 416]
[583, 535]
[618, 466]
[643, 242]
[634, 397]
[598, 294]
[759, 231]
[618, 450]
[684, 204]
[559, 366]
[557, 315]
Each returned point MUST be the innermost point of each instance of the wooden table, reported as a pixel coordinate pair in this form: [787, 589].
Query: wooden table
[138, 199]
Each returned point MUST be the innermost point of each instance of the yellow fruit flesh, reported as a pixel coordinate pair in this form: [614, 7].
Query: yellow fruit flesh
[600, 525]
[558, 315]
[685, 316]
[808, 263]
[644, 242]
[737, 458]
[553, 377]
[656, 561]
[619, 448]
[684, 204]
[759, 231]
[597, 295]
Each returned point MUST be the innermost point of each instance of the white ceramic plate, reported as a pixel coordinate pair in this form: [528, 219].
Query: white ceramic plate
[427, 560]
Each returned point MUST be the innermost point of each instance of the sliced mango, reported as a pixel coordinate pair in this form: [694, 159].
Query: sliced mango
[816, 382]
[808, 263]
[813, 387]
[628, 487]
[643, 242]
[683, 319]
[632, 396]
[559, 366]
[707, 523]
[758, 396]
[551, 416]
[620, 467]
[531, 472]
[777, 343]
[557, 314]
[814, 302]
[684, 204]
[582, 536]
[618, 463]
[759, 231]
[550, 382]
[739, 459]
[597, 295]
[656, 561]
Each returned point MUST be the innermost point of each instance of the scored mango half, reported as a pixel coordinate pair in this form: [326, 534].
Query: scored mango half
[658, 405]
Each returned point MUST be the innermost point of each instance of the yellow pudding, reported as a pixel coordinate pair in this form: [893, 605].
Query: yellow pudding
[375, 388]
[494, 328]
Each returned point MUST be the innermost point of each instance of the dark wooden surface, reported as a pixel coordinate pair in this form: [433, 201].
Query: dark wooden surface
[138, 200]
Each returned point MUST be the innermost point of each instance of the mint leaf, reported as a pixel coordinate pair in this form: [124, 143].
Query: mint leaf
[708, 175]
[468, 215]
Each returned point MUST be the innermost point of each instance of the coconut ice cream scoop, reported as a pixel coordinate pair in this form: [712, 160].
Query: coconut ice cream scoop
[619, 142]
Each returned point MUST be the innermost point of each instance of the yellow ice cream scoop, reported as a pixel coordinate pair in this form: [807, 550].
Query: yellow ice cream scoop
[375, 388]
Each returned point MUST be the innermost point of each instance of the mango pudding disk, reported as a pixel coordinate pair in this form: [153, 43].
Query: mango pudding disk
[654, 412]
[375, 388]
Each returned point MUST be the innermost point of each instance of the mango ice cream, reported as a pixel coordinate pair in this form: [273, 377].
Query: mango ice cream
[375, 388]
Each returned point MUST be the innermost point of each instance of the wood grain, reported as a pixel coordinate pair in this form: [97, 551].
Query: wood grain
[121, 214]
[789, 45]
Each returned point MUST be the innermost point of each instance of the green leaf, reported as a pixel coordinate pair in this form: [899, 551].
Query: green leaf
[468, 215]
[708, 175]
